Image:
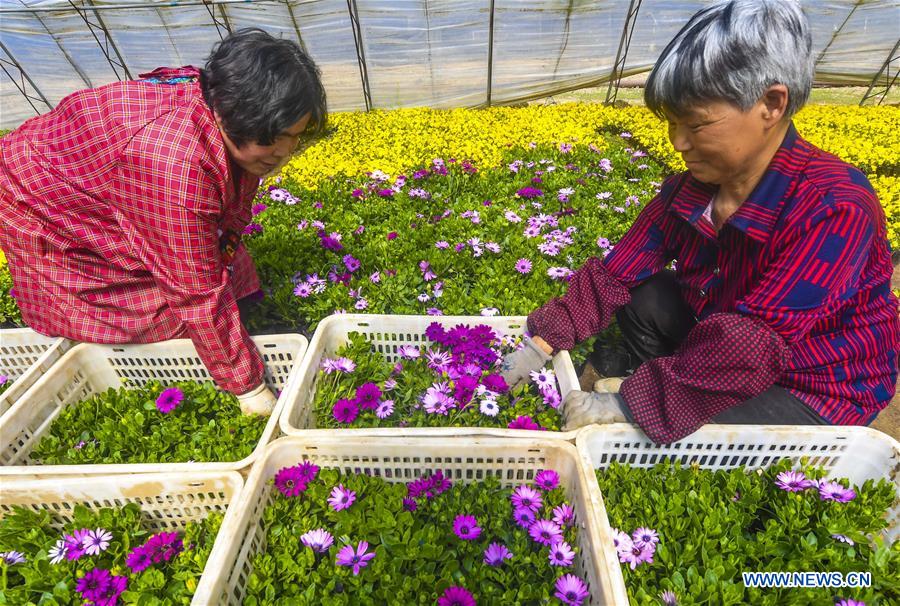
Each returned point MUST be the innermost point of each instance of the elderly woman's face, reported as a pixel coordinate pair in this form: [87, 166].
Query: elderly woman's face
[261, 160]
[717, 140]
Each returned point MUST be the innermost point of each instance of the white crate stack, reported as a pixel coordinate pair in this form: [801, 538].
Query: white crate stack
[25, 355]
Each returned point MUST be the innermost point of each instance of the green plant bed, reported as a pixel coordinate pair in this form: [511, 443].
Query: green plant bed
[712, 526]
[420, 543]
[151, 424]
[124, 563]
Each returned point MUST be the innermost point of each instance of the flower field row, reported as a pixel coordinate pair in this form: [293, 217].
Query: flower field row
[499, 205]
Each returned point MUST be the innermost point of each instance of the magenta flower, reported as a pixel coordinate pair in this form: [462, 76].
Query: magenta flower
[564, 515]
[367, 396]
[258, 208]
[466, 527]
[524, 517]
[546, 479]
[529, 193]
[75, 544]
[571, 590]
[526, 497]
[169, 400]
[644, 536]
[561, 554]
[545, 532]
[358, 559]
[318, 540]
[832, 491]
[341, 498]
[524, 422]
[496, 553]
[97, 541]
[110, 596]
[849, 602]
[523, 266]
[93, 584]
[138, 559]
[163, 546]
[410, 504]
[291, 481]
[351, 263]
[495, 382]
[792, 481]
[345, 411]
[456, 596]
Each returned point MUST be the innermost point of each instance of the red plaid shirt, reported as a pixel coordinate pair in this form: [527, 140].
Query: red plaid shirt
[114, 206]
[794, 290]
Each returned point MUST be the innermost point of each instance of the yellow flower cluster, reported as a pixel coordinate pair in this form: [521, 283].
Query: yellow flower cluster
[398, 140]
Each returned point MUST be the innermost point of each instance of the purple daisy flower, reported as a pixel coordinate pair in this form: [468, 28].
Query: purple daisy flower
[792, 481]
[546, 479]
[291, 481]
[466, 527]
[110, 596]
[12, 557]
[832, 491]
[410, 504]
[636, 555]
[668, 598]
[169, 400]
[164, 546]
[529, 193]
[621, 540]
[358, 559]
[495, 382]
[561, 554]
[93, 584]
[341, 498]
[524, 517]
[367, 396]
[57, 553]
[564, 515]
[849, 602]
[496, 553]
[843, 539]
[385, 409]
[571, 590]
[644, 536]
[351, 263]
[345, 411]
[456, 596]
[523, 266]
[318, 540]
[545, 532]
[75, 544]
[526, 497]
[139, 559]
[344, 365]
[97, 541]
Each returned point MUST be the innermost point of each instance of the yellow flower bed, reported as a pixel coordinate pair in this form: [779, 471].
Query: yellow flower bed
[395, 141]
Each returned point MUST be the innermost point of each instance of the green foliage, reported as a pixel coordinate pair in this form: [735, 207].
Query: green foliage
[37, 581]
[471, 282]
[417, 554]
[10, 316]
[412, 383]
[714, 525]
[124, 426]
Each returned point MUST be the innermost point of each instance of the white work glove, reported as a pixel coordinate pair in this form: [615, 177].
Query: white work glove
[518, 365]
[257, 401]
[581, 408]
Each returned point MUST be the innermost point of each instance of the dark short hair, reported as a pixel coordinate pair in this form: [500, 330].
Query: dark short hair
[260, 86]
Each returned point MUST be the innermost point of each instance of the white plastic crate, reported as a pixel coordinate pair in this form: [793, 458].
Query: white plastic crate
[168, 501]
[513, 461]
[856, 453]
[88, 369]
[387, 333]
[25, 355]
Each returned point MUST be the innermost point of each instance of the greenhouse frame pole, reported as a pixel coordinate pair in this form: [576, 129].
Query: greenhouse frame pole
[220, 25]
[837, 33]
[886, 70]
[360, 52]
[622, 54]
[107, 36]
[78, 70]
[490, 60]
[23, 76]
[290, 10]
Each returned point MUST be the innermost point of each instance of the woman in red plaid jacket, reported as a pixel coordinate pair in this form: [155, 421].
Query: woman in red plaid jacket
[122, 208]
[779, 309]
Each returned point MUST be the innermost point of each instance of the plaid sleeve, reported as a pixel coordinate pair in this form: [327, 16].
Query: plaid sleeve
[168, 195]
[733, 357]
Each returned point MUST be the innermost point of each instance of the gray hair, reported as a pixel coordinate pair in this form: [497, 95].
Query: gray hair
[733, 51]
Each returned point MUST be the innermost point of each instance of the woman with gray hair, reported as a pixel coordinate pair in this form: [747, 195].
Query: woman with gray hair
[779, 309]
